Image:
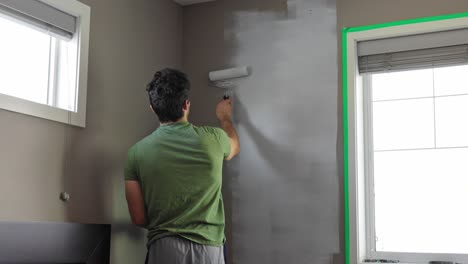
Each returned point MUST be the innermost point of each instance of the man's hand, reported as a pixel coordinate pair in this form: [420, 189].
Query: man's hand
[224, 110]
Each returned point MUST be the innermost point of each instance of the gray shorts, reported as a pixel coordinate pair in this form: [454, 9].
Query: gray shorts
[177, 250]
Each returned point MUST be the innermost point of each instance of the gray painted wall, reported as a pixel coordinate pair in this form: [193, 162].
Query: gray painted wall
[283, 188]
[285, 192]
[130, 39]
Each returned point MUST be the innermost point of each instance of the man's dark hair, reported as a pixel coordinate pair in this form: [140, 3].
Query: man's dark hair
[167, 93]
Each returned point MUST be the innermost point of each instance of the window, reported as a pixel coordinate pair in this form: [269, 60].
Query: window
[44, 58]
[418, 144]
[406, 141]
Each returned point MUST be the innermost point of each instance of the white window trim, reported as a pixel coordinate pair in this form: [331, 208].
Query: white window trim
[81, 38]
[358, 234]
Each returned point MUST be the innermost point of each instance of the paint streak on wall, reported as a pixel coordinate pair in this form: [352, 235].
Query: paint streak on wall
[285, 186]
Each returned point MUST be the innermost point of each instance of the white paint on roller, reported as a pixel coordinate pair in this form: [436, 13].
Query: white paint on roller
[228, 74]
[191, 2]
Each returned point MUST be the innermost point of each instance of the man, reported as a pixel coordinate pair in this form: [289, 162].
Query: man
[173, 177]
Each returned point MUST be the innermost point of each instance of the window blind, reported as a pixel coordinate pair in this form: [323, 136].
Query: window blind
[40, 15]
[414, 52]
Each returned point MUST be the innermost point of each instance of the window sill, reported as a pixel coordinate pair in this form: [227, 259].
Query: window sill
[30, 108]
[391, 263]
[386, 263]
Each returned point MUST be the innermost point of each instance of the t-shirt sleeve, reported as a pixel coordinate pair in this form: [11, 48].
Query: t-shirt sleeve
[224, 141]
[131, 168]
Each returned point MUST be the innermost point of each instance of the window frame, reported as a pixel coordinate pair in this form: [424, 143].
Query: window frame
[359, 225]
[81, 40]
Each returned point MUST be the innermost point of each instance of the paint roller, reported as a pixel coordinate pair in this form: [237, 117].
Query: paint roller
[225, 78]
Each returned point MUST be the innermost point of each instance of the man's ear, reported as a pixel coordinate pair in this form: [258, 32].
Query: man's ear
[186, 105]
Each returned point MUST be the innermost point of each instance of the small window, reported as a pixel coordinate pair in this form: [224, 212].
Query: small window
[44, 59]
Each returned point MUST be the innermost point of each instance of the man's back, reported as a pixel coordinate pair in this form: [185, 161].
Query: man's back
[179, 167]
[173, 177]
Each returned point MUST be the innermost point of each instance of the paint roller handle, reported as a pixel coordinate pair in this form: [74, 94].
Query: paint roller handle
[224, 110]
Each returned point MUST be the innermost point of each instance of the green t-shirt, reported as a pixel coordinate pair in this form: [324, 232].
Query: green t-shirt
[179, 167]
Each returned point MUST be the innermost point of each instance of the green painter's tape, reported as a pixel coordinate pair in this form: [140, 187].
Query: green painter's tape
[344, 32]
[345, 139]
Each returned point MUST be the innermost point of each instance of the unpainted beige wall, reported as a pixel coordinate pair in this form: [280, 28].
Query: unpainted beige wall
[366, 12]
[129, 40]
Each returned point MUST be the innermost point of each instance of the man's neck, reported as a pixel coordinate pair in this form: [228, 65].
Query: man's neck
[183, 119]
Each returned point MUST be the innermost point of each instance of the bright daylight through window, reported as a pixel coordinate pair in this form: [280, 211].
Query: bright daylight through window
[44, 59]
[417, 147]
[37, 66]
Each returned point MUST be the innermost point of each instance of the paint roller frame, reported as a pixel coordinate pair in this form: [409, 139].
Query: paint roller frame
[225, 79]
